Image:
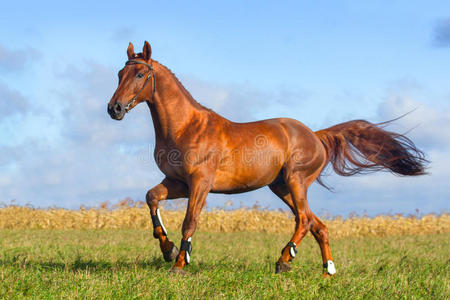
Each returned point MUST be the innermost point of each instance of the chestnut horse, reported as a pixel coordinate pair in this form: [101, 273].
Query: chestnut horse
[201, 152]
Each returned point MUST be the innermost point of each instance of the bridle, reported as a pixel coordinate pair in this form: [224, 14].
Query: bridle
[151, 73]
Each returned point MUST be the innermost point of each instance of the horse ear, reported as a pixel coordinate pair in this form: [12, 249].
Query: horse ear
[130, 51]
[147, 51]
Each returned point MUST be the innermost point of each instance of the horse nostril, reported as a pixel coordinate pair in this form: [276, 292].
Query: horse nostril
[117, 108]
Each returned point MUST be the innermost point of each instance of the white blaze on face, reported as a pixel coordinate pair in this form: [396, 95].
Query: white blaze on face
[330, 267]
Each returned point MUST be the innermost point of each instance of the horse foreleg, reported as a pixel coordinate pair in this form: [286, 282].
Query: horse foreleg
[198, 190]
[167, 189]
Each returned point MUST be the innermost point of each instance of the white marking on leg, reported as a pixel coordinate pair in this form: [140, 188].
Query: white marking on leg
[330, 267]
[292, 250]
[160, 221]
[188, 256]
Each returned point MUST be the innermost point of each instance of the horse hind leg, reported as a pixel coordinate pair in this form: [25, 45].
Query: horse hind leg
[317, 228]
[294, 195]
[280, 189]
[167, 189]
[320, 233]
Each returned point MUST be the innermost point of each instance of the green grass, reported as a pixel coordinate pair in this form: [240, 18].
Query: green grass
[128, 264]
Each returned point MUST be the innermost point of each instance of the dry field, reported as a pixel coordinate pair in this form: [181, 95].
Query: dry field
[129, 215]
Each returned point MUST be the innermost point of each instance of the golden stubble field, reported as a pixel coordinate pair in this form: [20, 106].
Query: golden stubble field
[127, 216]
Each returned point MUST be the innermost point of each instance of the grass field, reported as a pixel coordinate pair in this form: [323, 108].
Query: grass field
[126, 263]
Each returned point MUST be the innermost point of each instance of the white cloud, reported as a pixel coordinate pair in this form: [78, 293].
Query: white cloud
[15, 60]
[95, 159]
[12, 102]
[240, 102]
[383, 192]
[430, 126]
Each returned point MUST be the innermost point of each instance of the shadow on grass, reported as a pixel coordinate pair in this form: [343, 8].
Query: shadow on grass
[80, 264]
[155, 263]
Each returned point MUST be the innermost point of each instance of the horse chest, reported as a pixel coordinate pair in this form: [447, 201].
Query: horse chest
[170, 162]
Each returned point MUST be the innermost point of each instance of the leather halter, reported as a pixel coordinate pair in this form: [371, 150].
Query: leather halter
[151, 73]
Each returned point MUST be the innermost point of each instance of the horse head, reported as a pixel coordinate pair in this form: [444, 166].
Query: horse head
[136, 82]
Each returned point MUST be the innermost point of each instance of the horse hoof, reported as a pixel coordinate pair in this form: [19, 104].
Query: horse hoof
[178, 271]
[281, 267]
[171, 254]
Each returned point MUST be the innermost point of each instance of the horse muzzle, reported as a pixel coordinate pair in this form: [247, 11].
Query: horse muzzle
[116, 111]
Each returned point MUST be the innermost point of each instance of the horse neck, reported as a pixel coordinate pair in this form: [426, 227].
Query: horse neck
[172, 107]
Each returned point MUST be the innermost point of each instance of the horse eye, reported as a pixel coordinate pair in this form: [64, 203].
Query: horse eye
[140, 75]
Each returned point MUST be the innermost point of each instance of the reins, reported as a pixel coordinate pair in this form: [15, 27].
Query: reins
[151, 73]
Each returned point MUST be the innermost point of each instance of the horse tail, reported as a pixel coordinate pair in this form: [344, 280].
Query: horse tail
[358, 147]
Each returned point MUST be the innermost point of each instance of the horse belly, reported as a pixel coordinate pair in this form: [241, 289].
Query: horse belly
[240, 175]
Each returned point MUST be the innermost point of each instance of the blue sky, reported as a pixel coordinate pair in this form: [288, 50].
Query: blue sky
[319, 62]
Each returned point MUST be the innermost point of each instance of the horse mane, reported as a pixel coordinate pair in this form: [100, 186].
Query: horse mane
[183, 89]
